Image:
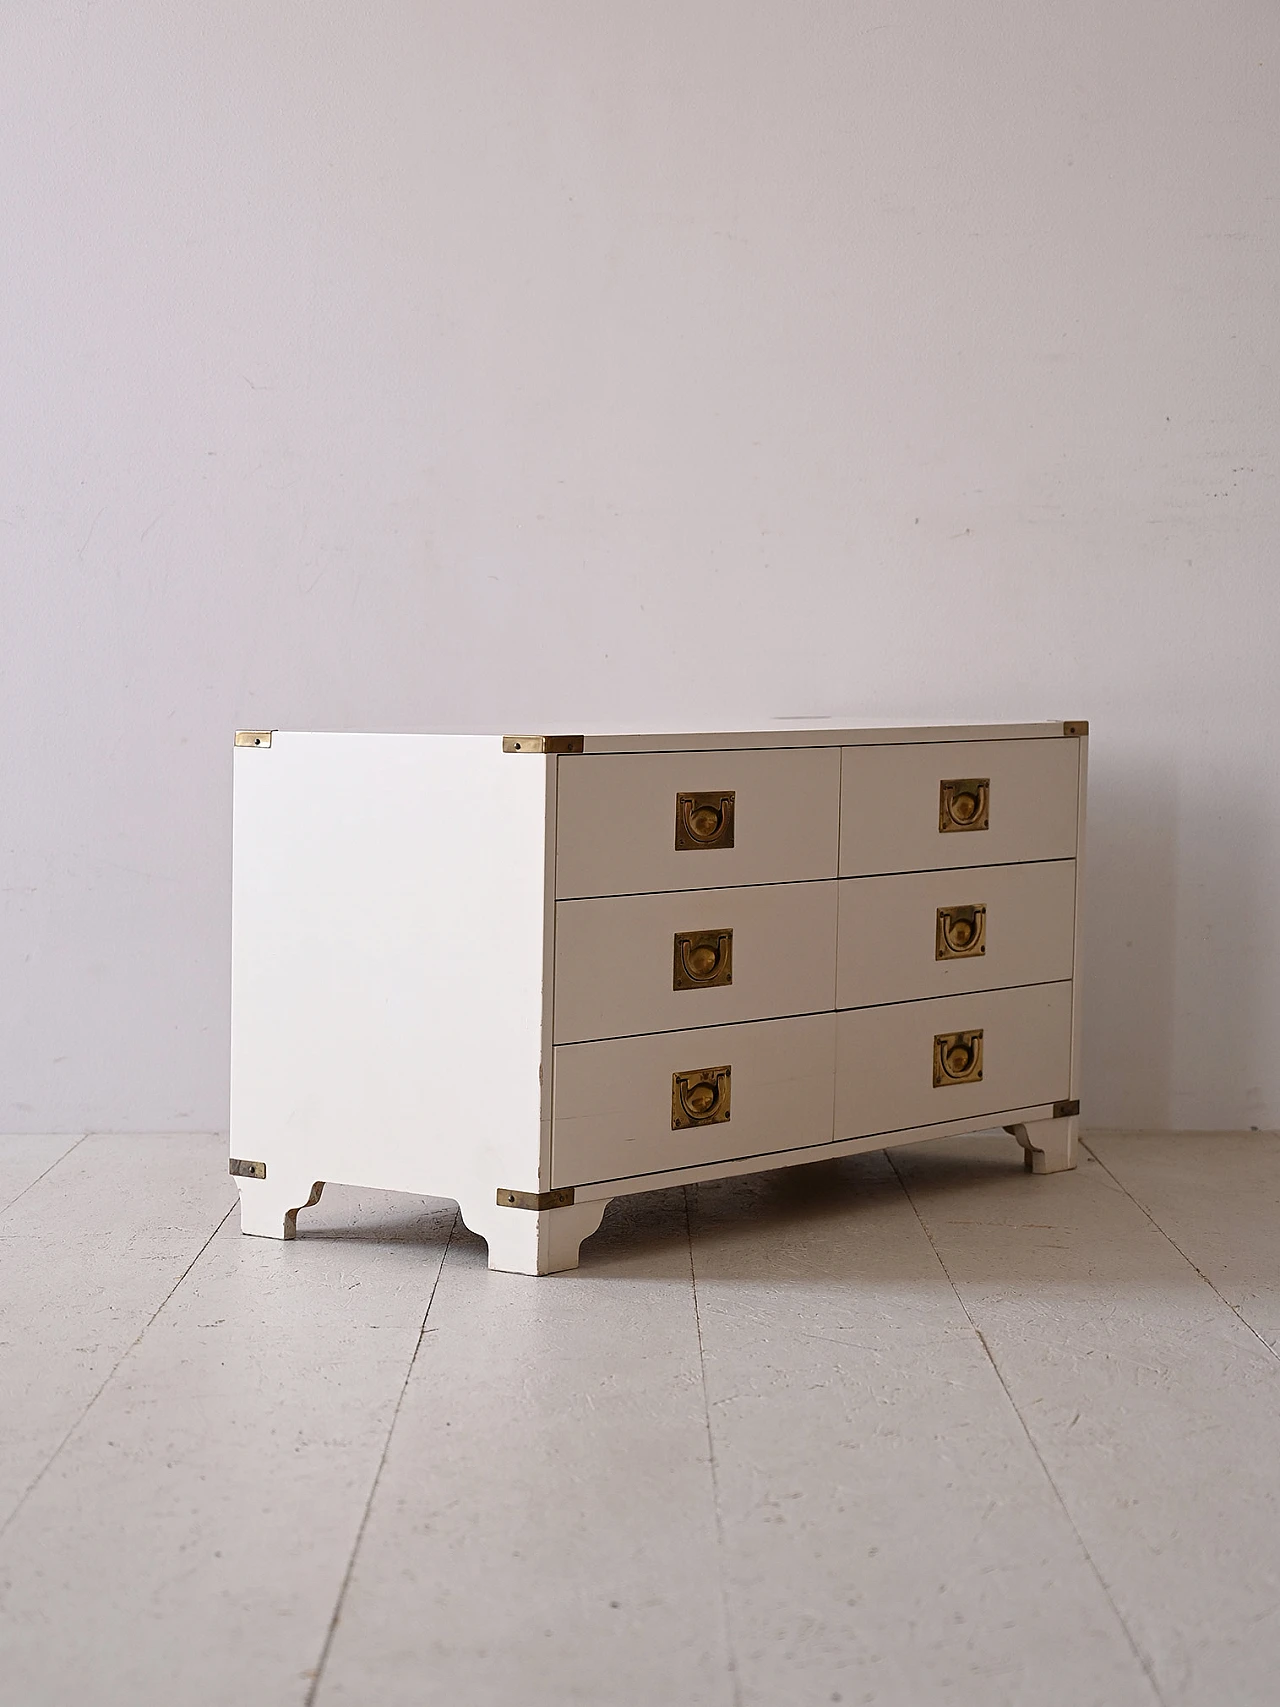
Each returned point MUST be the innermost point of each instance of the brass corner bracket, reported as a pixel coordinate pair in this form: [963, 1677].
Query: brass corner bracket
[1080, 727]
[543, 743]
[559, 1199]
[246, 1170]
[254, 737]
[1063, 1110]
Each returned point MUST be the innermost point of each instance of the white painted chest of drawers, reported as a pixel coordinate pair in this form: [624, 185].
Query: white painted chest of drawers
[532, 973]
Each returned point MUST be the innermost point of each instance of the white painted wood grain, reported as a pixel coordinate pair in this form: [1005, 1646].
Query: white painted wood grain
[889, 1536]
[26, 1156]
[792, 734]
[615, 959]
[617, 820]
[1217, 1196]
[613, 1100]
[88, 1254]
[1155, 1409]
[768, 1161]
[1077, 981]
[391, 961]
[888, 931]
[190, 1541]
[884, 1058]
[889, 805]
[544, 1531]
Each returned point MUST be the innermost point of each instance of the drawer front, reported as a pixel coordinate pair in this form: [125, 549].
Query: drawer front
[628, 964]
[933, 806]
[887, 1058]
[616, 1111]
[937, 933]
[632, 823]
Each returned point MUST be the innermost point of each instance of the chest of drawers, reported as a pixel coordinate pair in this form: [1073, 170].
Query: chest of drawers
[530, 973]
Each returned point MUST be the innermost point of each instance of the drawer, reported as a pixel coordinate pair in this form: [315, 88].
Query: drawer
[937, 933]
[614, 1105]
[632, 823]
[886, 1067]
[895, 801]
[627, 964]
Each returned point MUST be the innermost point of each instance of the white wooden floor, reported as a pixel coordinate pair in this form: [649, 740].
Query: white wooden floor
[897, 1430]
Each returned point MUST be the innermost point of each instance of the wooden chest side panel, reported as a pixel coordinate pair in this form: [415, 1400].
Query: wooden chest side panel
[389, 951]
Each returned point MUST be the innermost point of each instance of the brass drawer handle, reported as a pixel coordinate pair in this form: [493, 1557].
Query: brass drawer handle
[705, 820]
[964, 803]
[703, 960]
[957, 1058]
[962, 933]
[699, 1097]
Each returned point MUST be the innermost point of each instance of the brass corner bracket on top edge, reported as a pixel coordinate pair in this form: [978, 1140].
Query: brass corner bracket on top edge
[543, 743]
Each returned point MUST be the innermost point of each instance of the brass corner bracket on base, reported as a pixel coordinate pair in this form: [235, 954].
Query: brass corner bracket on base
[246, 1170]
[1063, 1110]
[1078, 728]
[254, 737]
[560, 1199]
[543, 743]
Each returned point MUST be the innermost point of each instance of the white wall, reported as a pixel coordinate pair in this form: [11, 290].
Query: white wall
[477, 362]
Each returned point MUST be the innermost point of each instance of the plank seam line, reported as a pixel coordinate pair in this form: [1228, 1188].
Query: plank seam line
[110, 1376]
[735, 1681]
[31, 1184]
[1022, 1421]
[347, 1575]
[1120, 1186]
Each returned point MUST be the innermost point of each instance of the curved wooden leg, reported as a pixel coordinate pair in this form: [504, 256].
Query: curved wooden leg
[1050, 1145]
[269, 1207]
[533, 1241]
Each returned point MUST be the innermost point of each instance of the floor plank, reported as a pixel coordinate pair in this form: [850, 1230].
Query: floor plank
[544, 1531]
[190, 1541]
[88, 1254]
[25, 1157]
[890, 1536]
[1154, 1408]
[995, 1441]
[1217, 1196]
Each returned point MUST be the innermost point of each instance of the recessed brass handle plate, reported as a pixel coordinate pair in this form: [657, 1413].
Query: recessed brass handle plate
[957, 1058]
[705, 820]
[703, 960]
[699, 1097]
[962, 933]
[964, 803]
